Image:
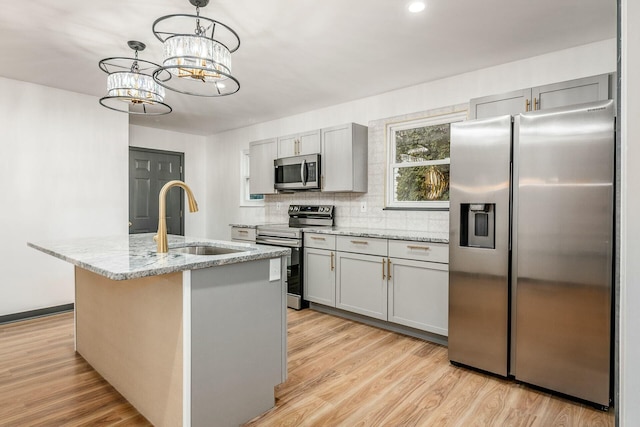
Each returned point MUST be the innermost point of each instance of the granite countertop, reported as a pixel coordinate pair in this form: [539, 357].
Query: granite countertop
[133, 256]
[383, 233]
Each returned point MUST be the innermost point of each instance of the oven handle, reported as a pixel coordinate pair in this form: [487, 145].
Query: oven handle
[303, 172]
[290, 243]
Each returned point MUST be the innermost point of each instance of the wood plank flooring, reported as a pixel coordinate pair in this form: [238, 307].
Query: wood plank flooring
[341, 373]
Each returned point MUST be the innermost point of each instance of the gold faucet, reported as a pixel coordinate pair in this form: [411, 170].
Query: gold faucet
[161, 237]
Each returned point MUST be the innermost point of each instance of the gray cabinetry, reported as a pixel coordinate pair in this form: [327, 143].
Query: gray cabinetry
[320, 276]
[243, 234]
[299, 144]
[419, 294]
[588, 89]
[361, 284]
[319, 268]
[344, 158]
[261, 172]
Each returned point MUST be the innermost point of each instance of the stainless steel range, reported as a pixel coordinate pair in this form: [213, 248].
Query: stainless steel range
[291, 236]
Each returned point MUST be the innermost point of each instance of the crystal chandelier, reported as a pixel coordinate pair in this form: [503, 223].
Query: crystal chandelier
[130, 85]
[197, 54]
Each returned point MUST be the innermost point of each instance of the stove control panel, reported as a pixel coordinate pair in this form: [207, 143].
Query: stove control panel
[311, 210]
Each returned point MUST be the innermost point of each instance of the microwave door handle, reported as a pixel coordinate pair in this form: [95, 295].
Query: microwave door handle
[303, 173]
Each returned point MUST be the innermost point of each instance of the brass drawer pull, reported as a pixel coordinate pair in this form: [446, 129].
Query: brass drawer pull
[389, 269]
[317, 238]
[424, 248]
[383, 276]
[359, 242]
[243, 232]
[332, 266]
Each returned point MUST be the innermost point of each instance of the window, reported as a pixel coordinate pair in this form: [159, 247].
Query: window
[418, 162]
[246, 198]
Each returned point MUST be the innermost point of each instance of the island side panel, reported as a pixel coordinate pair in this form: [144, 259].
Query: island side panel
[130, 331]
[238, 320]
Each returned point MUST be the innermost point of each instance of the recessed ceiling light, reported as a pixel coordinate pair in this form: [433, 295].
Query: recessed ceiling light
[416, 6]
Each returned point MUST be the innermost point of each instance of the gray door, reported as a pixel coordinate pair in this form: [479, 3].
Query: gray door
[149, 170]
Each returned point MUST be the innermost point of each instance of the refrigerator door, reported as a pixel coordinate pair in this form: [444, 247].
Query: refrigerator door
[565, 193]
[479, 243]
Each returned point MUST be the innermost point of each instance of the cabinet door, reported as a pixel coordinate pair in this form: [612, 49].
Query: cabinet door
[261, 169]
[571, 92]
[299, 144]
[320, 276]
[309, 142]
[515, 102]
[287, 146]
[345, 158]
[361, 284]
[419, 295]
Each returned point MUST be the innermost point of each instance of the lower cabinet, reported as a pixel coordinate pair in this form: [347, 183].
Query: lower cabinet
[419, 294]
[361, 285]
[320, 276]
[366, 276]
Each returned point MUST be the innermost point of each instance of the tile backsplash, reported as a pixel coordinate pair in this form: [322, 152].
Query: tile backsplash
[348, 205]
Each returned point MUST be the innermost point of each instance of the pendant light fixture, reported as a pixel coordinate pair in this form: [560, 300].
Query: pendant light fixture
[130, 85]
[197, 54]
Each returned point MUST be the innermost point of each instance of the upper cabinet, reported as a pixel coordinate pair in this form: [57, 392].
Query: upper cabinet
[261, 170]
[344, 158]
[299, 144]
[571, 92]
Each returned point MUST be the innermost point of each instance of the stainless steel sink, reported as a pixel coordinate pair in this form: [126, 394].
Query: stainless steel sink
[205, 250]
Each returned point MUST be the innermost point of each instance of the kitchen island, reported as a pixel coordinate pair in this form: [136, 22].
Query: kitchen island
[191, 340]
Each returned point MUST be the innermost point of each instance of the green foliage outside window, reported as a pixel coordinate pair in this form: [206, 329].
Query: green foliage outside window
[422, 183]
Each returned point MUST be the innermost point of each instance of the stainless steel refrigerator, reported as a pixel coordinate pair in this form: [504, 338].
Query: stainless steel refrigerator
[530, 245]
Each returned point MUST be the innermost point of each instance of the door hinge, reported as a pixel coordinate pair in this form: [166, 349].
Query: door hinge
[181, 170]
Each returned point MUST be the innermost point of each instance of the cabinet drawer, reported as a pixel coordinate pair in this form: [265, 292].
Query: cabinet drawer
[241, 233]
[320, 241]
[362, 245]
[421, 251]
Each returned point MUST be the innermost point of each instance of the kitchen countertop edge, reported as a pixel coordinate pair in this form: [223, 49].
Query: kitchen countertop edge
[119, 261]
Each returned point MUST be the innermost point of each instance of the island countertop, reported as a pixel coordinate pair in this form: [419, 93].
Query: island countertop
[133, 256]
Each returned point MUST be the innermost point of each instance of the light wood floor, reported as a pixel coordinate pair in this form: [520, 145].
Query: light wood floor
[341, 373]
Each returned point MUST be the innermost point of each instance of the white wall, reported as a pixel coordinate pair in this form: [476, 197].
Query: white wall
[195, 168]
[223, 149]
[64, 170]
[629, 410]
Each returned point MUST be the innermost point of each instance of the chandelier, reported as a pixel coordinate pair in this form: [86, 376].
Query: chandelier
[197, 54]
[130, 85]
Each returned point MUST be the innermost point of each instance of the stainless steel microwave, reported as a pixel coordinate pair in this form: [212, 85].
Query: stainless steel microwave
[297, 173]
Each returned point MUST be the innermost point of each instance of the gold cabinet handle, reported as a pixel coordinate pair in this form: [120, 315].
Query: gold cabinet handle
[383, 276]
[536, 104]
[332, 266]
[527, 104]
[317, 238]
[359, 242]
[424, 248]
[243, 232]
[389, 269]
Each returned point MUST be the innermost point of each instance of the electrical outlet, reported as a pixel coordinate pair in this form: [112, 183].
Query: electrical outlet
[278, 206]
[363, 206]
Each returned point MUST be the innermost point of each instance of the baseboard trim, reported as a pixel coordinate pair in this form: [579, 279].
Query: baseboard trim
[393, 327]
[16, 317]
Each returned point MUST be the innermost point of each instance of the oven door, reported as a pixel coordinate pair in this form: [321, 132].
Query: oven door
[294, 269]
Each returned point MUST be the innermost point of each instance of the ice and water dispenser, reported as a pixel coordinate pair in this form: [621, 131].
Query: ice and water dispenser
[477, 225]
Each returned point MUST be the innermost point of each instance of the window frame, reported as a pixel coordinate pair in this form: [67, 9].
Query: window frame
[245, 200]
[392, 165]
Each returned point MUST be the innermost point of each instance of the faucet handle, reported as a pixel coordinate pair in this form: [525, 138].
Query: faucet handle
[155, 238]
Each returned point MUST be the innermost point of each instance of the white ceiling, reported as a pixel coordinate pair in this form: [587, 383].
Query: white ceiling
[295, 55]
